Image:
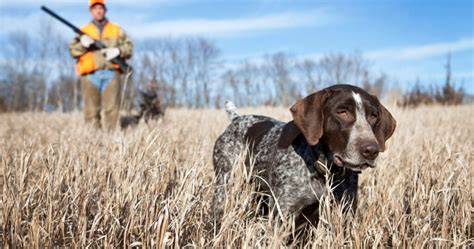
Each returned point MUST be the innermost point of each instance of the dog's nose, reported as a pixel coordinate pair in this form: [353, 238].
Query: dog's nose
[369, 150]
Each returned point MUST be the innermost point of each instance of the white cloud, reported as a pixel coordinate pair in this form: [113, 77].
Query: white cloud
[425, 62]
[32, 23]
[140, 27]
[420, 52]
[228, 27]
[22, 3]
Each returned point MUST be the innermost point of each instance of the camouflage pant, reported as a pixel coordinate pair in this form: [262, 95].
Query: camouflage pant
[106, 97]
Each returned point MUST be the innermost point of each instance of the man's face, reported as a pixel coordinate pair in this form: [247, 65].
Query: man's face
[98, 12]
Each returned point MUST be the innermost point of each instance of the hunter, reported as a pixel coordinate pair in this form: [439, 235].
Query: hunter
[99, 77]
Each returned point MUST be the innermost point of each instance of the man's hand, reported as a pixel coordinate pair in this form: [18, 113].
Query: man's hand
[110, 53]
[86, 41]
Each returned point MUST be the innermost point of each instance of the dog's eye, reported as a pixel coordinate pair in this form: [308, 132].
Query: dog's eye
[374, 115]
[342, 112]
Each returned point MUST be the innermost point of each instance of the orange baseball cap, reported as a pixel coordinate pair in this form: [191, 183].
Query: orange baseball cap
[94, 2]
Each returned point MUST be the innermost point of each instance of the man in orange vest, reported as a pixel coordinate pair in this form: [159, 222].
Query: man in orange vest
[99, 77]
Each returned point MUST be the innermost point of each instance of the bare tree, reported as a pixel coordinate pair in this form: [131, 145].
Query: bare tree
[351, 69]
[279, 68]
[17, 68]
[342, 69]
[229, 78]
[206, 55]
[449, 95]
[309, 70]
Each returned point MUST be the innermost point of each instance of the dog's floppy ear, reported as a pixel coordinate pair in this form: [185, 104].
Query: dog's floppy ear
[385, 127]
[308, 115]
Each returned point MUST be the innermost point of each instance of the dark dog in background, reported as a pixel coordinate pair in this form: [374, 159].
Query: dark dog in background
[150, 108]
[342, 127]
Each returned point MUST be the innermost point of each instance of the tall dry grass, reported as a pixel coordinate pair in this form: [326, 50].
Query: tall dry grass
[64, 184]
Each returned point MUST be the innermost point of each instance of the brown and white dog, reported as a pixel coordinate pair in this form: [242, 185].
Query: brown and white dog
[342, 127]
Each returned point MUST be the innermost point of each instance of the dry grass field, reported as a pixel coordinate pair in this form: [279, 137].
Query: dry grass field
[64, 184]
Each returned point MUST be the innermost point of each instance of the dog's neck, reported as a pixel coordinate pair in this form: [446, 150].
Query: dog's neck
[318, 158]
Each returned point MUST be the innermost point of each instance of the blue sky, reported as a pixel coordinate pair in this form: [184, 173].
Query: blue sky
[405, 39]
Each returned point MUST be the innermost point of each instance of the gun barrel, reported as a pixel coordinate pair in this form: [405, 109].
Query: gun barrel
[70, 25]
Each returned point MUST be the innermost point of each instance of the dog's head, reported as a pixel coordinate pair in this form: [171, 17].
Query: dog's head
[351, 123]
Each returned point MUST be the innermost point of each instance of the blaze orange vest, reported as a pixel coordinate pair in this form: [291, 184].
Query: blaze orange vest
[86, 63]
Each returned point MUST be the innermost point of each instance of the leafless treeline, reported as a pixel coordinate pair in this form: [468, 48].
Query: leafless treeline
[448, 94]
[37, 74]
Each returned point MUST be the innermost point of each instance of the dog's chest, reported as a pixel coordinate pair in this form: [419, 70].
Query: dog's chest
[282, 167]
